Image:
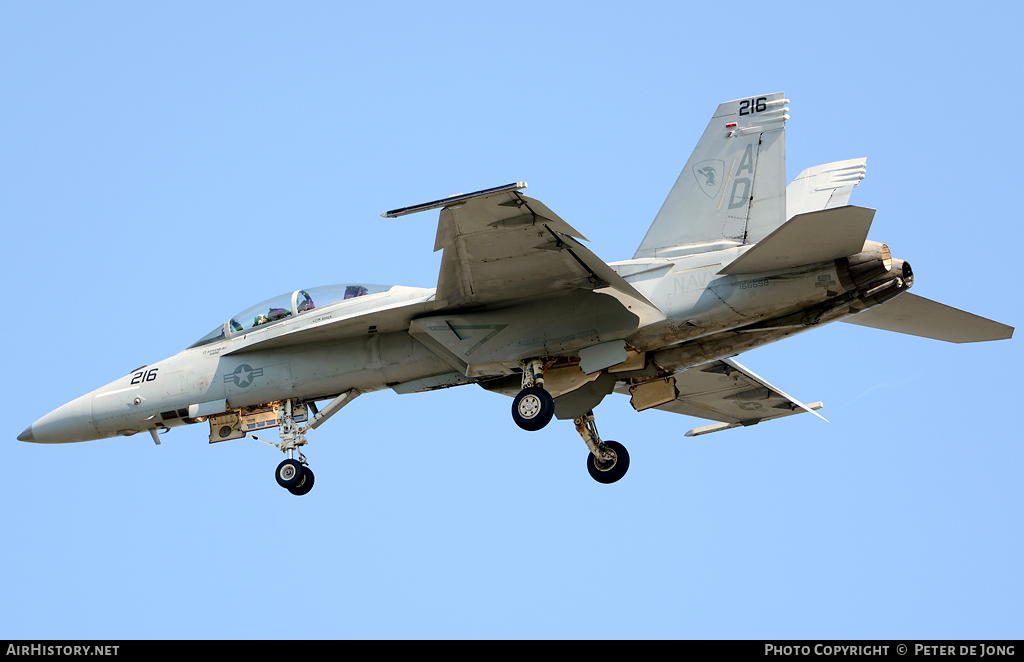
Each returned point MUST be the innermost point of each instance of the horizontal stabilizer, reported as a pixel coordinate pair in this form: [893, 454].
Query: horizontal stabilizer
[917, 316]
[809, 238]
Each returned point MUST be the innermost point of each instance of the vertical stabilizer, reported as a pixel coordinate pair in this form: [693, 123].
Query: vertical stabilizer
[733, 188]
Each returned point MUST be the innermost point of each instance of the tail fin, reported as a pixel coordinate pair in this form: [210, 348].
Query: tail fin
[824, 187]
[733, 188]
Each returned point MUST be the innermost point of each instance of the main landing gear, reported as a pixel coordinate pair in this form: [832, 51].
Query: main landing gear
[533, 407]
[608, 460]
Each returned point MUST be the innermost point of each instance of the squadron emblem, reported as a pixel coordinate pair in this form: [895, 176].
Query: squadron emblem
[709, 177]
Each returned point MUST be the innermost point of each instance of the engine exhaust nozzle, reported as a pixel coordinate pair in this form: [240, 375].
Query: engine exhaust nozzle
[871, 264]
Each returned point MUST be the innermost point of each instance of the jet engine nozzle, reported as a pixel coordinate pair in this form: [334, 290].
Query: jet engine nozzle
[871, 264]
[908, 274]
[900, 278]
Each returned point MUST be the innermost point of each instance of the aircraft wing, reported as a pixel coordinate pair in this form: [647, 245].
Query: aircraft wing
[500, 245]
[727, 392]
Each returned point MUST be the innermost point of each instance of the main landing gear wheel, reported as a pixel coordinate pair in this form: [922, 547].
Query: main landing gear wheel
[289, 474]
[305, 485]
[613, 464]
[608, 460]
[533, 408]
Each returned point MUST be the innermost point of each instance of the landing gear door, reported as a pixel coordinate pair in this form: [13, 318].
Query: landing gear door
[236, 424]
[225, 426]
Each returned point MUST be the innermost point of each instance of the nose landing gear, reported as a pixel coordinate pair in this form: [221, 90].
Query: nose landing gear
[289, 473]
[295, 477]
[294, 474]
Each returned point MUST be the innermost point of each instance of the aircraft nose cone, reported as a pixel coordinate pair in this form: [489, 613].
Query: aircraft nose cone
[67, 423]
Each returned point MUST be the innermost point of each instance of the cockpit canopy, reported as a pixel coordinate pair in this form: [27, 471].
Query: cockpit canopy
[286, 305]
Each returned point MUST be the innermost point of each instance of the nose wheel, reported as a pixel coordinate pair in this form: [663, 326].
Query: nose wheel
[294, 477]
[289, 473]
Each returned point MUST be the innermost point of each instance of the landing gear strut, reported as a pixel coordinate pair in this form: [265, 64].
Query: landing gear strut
[608, 460]
[292, 474]
[533, 407]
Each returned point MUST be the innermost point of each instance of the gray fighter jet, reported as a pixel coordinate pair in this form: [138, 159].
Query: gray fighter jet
[734, 259]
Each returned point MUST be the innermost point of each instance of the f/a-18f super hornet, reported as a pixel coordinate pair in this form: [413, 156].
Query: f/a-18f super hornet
[735, 259]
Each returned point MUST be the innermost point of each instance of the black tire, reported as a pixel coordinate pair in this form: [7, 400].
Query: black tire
[289, 473]
[305, 485]
[612, 471]
[532, 408]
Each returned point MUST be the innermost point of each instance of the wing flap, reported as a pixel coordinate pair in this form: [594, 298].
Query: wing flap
[808, 238]
[918, 316]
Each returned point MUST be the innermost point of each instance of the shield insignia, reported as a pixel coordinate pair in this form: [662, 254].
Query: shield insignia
[709, 176]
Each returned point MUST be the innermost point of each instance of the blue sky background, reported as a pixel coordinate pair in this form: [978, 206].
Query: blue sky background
[165, 165]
